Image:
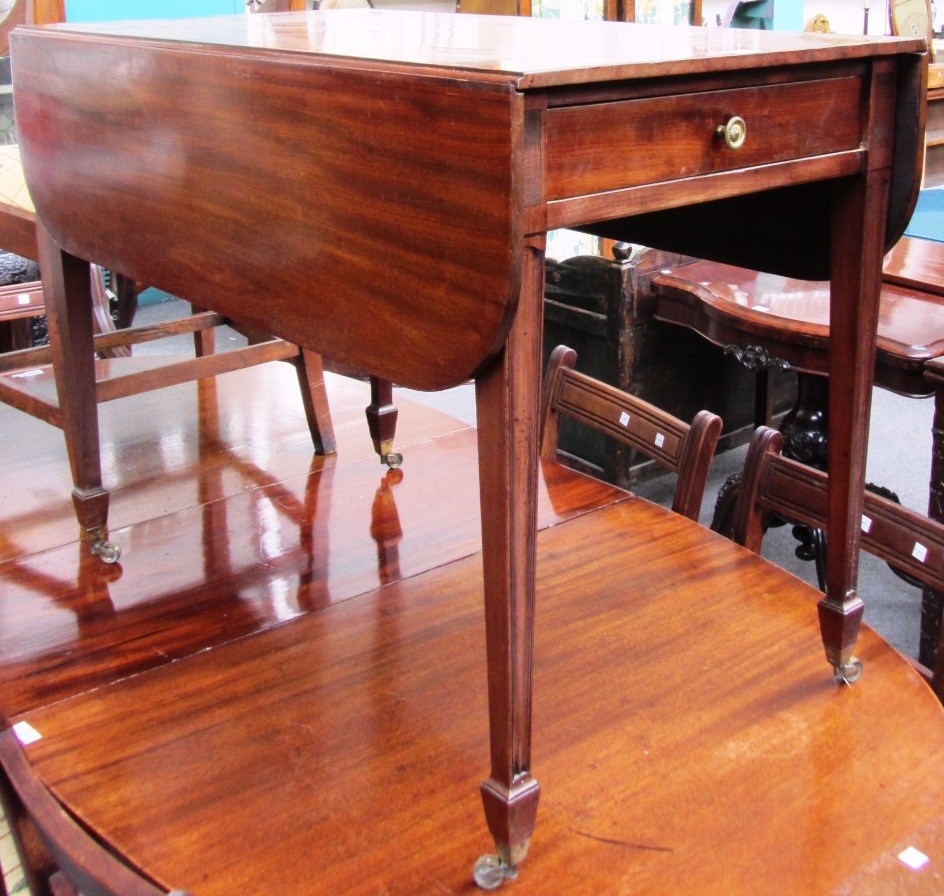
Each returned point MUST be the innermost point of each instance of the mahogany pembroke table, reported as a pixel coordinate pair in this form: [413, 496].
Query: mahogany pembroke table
[449, 145]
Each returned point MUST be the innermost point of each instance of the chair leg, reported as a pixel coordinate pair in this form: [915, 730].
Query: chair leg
[382, 421]
[204, 341]
[101, 313]
[315, 400]
[722, 520]
[126, 293]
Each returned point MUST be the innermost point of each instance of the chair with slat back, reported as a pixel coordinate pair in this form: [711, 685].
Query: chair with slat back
[906, 540]
[681, 448]
[86, 866]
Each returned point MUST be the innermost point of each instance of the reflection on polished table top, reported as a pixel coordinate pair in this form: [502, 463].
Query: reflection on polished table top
[440, 150]
[228, 524]
[178, 448]
[689, 741]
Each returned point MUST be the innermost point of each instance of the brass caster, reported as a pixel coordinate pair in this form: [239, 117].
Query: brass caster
[392, 460]
[850, 672]
[107, 551]
[490, 872]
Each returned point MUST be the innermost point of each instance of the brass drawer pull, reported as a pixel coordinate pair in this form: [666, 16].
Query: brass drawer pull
[734, 132]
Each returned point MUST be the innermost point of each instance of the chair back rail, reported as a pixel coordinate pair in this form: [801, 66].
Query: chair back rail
[681, 448]
[904, 539]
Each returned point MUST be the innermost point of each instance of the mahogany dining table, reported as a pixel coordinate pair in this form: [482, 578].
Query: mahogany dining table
[689, 742]
[377, 186]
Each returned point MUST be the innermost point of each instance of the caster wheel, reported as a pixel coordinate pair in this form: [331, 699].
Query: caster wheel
[849, 674]
[392, 460]
[106, 551]
[490, 872]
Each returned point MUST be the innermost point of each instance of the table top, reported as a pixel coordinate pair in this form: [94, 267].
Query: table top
[536, 52]
[686, 736]
[17, 215]
[916, 264]
[222, 542]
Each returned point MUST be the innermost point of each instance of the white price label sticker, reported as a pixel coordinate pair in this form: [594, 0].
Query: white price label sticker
[913, 858]
[26, 734]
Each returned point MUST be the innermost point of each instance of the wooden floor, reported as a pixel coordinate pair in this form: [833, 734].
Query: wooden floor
[662, 744]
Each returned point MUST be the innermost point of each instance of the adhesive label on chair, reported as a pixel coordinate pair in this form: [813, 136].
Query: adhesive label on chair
[660, 440]
[919, 552]
[866, 523]
[624, 419]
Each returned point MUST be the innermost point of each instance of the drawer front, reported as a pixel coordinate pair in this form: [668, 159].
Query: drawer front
[609, 146]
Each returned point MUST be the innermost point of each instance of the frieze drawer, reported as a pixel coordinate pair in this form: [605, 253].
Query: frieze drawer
[610, 146]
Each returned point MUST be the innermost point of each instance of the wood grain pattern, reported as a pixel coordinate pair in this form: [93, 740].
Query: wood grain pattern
[317, 204]
[85, 862]
[665, 747]
[687, 143]
[915, 264]
[542, 52]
